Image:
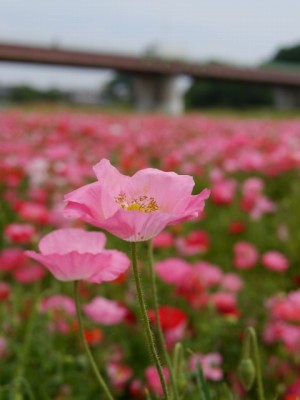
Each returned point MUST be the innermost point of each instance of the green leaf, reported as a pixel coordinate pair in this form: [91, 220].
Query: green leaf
[201, 383]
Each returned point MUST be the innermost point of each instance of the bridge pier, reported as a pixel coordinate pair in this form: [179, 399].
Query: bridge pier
[286, 98]
[158, 93]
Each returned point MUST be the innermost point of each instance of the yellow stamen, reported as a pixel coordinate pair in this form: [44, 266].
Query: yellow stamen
[134, 207]
[142, 203]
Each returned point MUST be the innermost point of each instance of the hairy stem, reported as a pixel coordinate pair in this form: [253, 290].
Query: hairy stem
[21, 367]
[86, 347]
[158, 324]
[260, 388]
[145, 319]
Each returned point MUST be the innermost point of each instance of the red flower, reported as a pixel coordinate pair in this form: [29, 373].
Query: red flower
[195, 242]
[93, 336]
[19, 233]
[236, 227]
[169, 317]
[4, 291]
[225, 303]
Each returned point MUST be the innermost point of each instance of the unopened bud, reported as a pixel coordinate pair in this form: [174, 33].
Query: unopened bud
[246, 373]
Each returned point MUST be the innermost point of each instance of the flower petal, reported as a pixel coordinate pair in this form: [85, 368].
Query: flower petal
[89, 267]
[63, 241]
[170, 190]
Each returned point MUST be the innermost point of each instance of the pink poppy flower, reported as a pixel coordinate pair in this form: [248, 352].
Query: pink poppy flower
[232, 282]
[19, 233]
[153, 380]
[74, 254]
[5, 291]
[253, 187]
[288, 334]
[253, 200]
[275, 261]
[163, 240]
[119, 374]
[11, 259]
[135, 208]
[195, 242]
[29, 274]
[225, 303]
[223, 192]
[173, 270]
[61, 310]
[192, 289]
[210, 364]
[262, 205]
[207, 273]
[245, 255]
[58, 302]
[104, 311]
[285, 307]
[174, 335]
[196, 282]
[34, 212]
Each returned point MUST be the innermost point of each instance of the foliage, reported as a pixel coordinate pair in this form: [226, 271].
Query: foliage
[226, 94]
[23, 94]
[288, 54]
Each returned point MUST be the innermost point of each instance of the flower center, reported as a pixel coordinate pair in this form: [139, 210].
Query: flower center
[142, 203]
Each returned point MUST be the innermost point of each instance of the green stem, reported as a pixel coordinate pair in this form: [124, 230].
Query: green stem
[145, 319]
[20, 381]
[21, 366]
[86, 347]
[260, 388]
[177, 359]
[246, 350]
[158, 324]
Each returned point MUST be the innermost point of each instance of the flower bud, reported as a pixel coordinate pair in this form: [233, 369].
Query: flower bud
[246, 373]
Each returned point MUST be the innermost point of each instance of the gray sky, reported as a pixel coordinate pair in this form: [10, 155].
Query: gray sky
[238, 31]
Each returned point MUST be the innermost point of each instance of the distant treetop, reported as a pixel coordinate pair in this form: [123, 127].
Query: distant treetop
[288, 55]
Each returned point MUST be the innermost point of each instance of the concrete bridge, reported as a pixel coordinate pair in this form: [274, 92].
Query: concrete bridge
[155, 78]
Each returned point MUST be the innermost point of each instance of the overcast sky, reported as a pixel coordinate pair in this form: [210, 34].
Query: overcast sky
[238, 31]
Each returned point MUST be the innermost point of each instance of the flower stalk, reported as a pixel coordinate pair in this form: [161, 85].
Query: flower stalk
[158, 324]
[86, 347]
[145, 319]
[251, 344]
[21, 366]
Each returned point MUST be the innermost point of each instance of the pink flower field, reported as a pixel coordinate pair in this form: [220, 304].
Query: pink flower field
[218, 198]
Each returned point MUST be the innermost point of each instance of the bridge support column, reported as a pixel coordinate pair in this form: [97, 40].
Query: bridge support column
[158, 93]
[286, 98]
